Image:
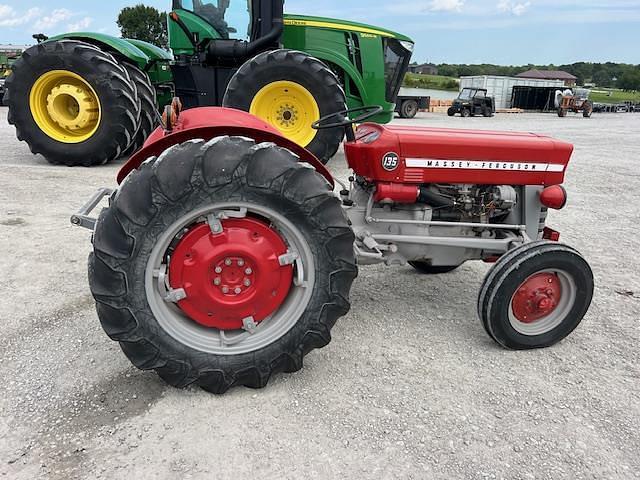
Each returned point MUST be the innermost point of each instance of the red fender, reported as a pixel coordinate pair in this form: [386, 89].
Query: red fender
[210, 122]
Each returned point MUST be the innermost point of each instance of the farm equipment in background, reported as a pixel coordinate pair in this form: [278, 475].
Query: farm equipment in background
[471, 102]
[575, 102]
[6, 62]
[88, 98]
[410, 101]
[225, 256]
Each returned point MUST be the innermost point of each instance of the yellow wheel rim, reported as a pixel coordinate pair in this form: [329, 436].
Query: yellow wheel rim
[65, 107]
[290, 108]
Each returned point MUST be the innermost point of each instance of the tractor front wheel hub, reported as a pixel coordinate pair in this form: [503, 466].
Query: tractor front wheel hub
[233, 278]
[537, 297]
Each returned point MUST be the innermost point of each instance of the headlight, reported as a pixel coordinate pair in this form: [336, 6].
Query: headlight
[407, 45]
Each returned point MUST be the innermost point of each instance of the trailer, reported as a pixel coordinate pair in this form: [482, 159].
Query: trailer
[410, 101]
[501, 88]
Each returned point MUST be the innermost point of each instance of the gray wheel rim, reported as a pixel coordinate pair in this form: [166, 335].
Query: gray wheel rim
[555, 318]
[210, 340]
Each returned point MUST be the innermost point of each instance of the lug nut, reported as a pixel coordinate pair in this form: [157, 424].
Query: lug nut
[241, 263]
[225, 290]
[218, 269]
[248, 271]
[247, 282]
[238, 291]
[217, 281]
[228, 262]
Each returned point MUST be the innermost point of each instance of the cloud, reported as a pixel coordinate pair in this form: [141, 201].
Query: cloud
[9, 17]
[446, 5]
[50, 21]
[514, 8]
[80, 25]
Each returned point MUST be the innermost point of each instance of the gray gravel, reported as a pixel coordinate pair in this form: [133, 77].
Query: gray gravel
[410, 387]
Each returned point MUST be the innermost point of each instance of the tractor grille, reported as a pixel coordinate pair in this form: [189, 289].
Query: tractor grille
[413, 175]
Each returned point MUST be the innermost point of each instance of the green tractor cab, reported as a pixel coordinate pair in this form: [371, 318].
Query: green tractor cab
[471, 102]
[93, 98]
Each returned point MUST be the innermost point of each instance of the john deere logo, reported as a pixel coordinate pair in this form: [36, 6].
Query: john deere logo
[390, 161]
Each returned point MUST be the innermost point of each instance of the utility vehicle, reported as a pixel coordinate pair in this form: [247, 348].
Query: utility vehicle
[471, 102]
[225, 256]
[88, 98]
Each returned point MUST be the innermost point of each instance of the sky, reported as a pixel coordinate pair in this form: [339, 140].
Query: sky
[505, 32]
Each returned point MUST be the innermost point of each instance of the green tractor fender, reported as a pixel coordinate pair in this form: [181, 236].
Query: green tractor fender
[331, 57]
[140, 53]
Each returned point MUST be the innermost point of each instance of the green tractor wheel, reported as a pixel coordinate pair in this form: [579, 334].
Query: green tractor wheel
[148, 119]
[290, 90]
[72, 103]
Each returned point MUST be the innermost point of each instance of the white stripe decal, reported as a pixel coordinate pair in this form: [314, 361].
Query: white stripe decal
[484, 165]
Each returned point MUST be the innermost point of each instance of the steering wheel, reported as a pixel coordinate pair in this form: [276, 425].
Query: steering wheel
[343, 118]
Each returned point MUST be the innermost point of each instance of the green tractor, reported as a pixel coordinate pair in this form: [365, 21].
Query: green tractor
[88, 98]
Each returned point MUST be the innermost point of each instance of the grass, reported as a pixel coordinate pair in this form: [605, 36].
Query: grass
[616, 96]
[436, 82]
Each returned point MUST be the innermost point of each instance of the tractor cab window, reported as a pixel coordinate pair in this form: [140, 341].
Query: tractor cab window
[230, 18]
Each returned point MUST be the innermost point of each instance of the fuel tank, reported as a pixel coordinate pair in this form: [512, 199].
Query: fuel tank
[416, 155]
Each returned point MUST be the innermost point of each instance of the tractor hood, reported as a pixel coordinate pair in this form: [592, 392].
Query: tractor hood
[342, 25]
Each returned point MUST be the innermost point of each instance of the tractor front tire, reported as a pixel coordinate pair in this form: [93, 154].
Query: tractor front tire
[290, 90]
[72, 103]
[203, 208]
[535, 295]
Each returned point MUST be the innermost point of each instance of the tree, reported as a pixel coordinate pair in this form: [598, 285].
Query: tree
[144, 23]
[630, 80]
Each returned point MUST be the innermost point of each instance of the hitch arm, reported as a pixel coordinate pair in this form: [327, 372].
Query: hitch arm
[82, 218]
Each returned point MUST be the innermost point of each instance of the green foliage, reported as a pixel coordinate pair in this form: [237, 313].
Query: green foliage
[436, 82]
[144, 23]
[615, 96]
[608, 74]
[630, 80]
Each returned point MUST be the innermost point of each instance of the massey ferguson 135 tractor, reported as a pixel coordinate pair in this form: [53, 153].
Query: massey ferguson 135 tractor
[88, 98]
[224, 255]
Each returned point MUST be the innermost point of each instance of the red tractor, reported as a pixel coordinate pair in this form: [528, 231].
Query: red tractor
[225, 256]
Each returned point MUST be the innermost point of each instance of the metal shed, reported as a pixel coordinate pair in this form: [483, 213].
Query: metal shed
[501, 88]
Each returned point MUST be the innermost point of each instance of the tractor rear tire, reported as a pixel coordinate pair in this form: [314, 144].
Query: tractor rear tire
[562, 112]
[428, 269]
[290, 90]
[409, 109]
[54, 77]
[510, 303]
[148, 108]
[587, 110]
[170, 198]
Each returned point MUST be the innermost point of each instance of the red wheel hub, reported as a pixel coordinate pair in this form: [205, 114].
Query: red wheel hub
[537, 297]
[231, 276]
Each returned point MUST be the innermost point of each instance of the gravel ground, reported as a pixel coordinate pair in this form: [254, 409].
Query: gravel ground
[410, 387]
